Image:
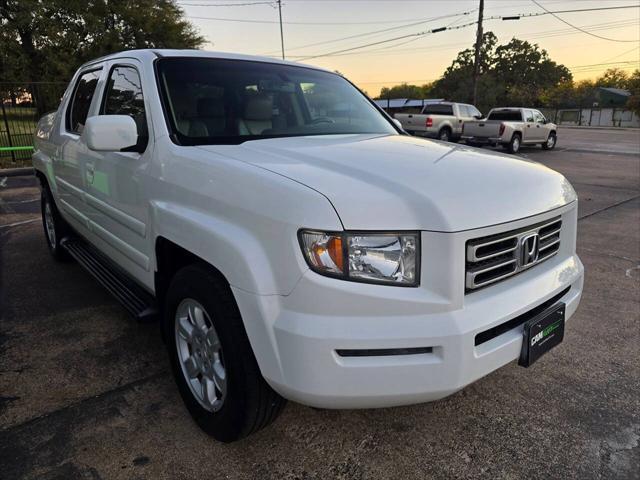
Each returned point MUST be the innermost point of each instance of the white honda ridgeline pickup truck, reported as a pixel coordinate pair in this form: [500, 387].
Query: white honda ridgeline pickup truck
[294, 242]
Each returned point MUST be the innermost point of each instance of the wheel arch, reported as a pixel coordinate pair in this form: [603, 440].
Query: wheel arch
[170, 258]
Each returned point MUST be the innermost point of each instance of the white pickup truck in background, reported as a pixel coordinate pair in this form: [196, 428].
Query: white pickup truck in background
[511, 127]
[442, 120]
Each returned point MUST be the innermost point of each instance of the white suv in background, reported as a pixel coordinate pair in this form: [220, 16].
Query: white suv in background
[294, 242]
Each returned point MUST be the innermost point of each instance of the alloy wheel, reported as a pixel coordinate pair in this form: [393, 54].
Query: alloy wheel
[200, 355]
[49, 223]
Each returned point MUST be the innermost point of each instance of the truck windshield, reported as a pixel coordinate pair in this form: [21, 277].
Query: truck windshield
[220, 101]
[506, 115]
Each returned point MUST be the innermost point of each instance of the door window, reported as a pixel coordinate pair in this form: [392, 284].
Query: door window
[81, 101]
[464, 111]
[528, 114]
[474, 112]
[123, 96]
[538, 116]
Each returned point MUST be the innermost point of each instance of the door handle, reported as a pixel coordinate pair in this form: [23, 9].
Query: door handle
[90, 172]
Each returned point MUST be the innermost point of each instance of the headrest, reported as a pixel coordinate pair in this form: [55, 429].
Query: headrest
[259, 107]
[210, 107]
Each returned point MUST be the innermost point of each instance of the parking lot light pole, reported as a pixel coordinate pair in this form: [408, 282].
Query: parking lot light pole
[476, 62]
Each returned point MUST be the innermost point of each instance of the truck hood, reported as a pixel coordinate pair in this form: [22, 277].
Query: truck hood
[397, 182]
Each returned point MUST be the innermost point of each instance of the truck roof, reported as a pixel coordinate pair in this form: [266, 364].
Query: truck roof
[514, 108]
[148, 54]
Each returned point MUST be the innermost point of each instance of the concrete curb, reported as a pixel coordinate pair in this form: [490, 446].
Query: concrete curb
[17, 172]
[588, 127]
[604, 152]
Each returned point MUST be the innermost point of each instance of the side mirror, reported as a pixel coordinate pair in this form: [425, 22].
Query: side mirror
[397, 123]
[110, 133]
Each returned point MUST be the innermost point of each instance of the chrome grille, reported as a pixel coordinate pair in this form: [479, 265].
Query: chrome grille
[496, 257]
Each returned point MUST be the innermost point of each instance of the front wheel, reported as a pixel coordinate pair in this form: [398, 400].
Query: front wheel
[55, 228]
[551, 142]
[213, 364]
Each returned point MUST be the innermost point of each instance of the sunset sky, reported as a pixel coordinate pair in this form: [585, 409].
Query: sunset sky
[418, 59]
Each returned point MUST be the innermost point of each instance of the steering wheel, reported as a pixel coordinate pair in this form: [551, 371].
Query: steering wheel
[318, 120]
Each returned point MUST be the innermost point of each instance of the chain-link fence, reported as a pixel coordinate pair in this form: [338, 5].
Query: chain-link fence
[21, 105]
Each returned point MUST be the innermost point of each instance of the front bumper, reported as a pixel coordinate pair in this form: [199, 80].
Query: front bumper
[296, 338]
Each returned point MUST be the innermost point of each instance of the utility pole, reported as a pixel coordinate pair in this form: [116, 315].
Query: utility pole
[476, 62]
[281, 34]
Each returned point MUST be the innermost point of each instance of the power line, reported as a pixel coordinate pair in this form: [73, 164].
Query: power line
[553, 14]
[244, 20]
[417, 34]
[374, 32]
[392, 50]
[437, 30]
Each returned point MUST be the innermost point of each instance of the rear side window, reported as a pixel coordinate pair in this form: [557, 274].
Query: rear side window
[529, 115]
[506, 115]
[81, 101]
[123, 96]
[438, 109]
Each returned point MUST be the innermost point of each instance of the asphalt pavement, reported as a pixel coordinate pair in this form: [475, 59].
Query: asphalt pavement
[86, 393]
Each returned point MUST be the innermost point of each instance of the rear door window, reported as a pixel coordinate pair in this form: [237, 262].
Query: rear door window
[438, 109]
[78, 108]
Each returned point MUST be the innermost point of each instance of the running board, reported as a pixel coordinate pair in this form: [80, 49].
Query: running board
[132, 296]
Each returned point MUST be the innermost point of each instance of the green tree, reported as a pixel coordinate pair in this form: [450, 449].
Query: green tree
[46, 40]
[613, 77]
[405, 90]
[633, 85]
[516, 73]
[457, 81]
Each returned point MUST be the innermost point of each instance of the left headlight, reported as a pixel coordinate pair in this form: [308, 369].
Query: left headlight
[386, 258]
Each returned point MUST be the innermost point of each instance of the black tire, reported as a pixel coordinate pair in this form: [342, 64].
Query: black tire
[444, 134]
[514, 145]
[54, 226]
[249, 404]
[550, 144]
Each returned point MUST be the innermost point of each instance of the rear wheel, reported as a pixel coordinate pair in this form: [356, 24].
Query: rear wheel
[444, 135]
[55, 228]
[551, 142]
[514, 145]
[213, 364]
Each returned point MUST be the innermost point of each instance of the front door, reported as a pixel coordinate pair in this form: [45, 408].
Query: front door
[529, 130]
[115, 193]
[541, 130]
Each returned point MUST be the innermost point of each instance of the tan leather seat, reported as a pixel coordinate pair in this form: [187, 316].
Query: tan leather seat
[257, 115]
[212, 114]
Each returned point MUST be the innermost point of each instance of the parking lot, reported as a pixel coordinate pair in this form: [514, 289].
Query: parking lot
[85, 392]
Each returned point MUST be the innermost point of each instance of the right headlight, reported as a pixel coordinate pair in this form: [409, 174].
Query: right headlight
[373, 257]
